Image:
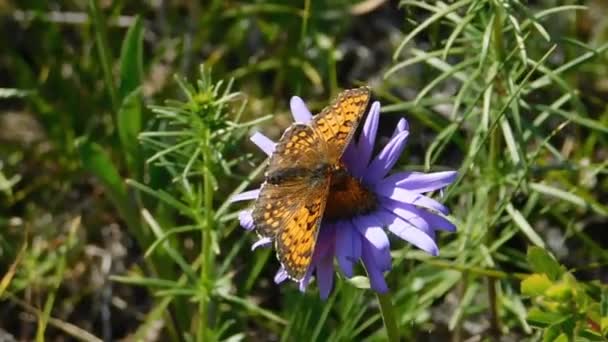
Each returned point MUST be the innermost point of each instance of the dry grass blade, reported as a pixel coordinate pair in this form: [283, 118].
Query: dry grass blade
[8, 276]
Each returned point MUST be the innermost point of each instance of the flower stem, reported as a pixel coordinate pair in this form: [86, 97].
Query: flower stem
[388, 316]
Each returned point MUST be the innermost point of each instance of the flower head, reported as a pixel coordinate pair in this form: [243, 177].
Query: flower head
[373, 201]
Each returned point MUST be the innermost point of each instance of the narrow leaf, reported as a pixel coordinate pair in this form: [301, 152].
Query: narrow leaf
[524, 226]
[542, 262]
[95, 160]
[129, 119]
[131, 59]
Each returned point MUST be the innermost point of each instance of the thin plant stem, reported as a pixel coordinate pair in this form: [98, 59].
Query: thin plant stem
[462, 287]
[207, 253]
[494, 155]
[492, 200]
[305, 17]
[480, 271]
[388, 316]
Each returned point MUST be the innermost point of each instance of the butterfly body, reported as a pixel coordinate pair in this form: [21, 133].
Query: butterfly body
[302, 171]
[319, 173]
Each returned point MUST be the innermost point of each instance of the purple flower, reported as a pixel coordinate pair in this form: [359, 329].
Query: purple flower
[401, 208]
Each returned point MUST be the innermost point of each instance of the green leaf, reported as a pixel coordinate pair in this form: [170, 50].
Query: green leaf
[359, 282]
[524, 226]
[541, 318]
[551, 333]
[561, 338]
[95, 160]
[578, 118]
[103, 49]
[128, 120]
[535, 284]
[590, 335]
[542, 262]
[131, 59]
[145, 281]
[465, 303]
[439, 13]
[559, 194]
[560, 292]
[252, 308]
[172, 253]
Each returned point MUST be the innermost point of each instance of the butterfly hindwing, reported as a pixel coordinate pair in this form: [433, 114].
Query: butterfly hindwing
[296, 240]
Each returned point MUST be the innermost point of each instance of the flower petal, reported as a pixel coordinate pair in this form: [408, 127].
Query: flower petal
[306, 280]
[299, 110]
[348, 248]
[402, 125]
[420, 182]
[325, 276]
[263, 142]
[245, 196]
[280, 276]
[410, 197]
[407, 212]
[325, 242]
[419, 217]
[246, 219]
[371, 228]
[262, 242]
[438, 222]
[382, 257]
[415, 236]
[376, 278]
[365, 145]
[350, 158]
[387, 158]
[324, 248]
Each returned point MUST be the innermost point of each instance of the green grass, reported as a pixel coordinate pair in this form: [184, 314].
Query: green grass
[124, 131]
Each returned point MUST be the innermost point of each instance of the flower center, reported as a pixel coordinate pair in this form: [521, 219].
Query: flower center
[347, 197]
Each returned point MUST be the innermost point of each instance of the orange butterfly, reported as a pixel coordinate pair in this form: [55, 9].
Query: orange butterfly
[292, 200]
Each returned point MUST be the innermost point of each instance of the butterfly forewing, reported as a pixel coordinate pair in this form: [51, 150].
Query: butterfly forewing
[337, 122]
[296, 173]
[299, 152]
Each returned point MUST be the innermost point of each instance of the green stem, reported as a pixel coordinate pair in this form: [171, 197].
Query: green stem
[388, 316]
[207, 253]
[494, 154]
[305, 16]
[489, 273]
[492, 201]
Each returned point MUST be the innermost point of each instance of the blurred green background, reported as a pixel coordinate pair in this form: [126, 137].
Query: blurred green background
[124, 129]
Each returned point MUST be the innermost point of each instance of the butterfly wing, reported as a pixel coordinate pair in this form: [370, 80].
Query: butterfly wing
[337, 123]
[290, 206]
[292, 200]
[300, 150]
[296, 240]
[296, 164]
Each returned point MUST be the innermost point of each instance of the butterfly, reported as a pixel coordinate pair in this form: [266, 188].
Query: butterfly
[293, 197]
